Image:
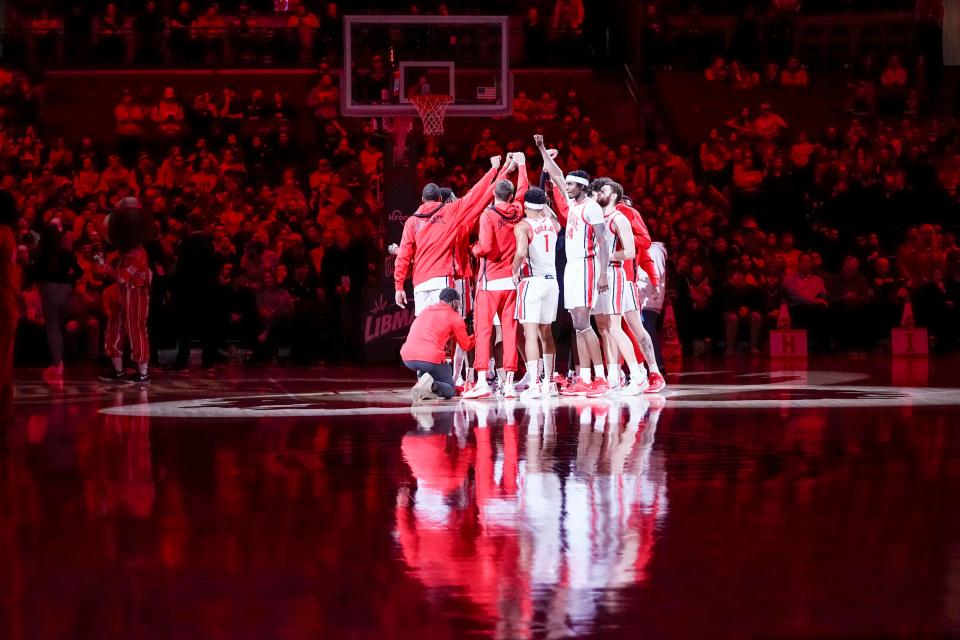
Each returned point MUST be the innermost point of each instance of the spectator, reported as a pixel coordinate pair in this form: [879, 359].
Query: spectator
[181, 21]
[208, 31]
[807, 297]
[275, 309]
[130, 119]
[768, 124]
[304, 25]
[534, 37]
[697, 308]
[850, 297]
[148, 26]
[55, 270]
[168, 114]
[568, 16]
[324, 99]
[793, 75]
[110, 36]
[742, 309]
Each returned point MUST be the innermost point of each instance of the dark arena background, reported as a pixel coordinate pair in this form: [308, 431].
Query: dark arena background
[210, 215]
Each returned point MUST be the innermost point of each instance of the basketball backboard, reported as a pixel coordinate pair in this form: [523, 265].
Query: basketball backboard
[389, 58]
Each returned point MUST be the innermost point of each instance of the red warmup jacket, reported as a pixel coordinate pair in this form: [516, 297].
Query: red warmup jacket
[430, 333]
[642, 242]
[430, 234]
[498, 244]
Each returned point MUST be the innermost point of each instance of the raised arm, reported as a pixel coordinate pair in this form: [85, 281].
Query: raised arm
[523, 247]
[549, 164]
[560, 199]
[470, 206]
[523, 180]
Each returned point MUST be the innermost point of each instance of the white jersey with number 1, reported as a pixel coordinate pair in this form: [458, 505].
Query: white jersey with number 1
[541, 248]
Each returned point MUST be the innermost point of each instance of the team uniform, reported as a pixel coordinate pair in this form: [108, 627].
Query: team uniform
[429, 242]
[620, 295]
[133, 278]
[642, 263]
[539, 292]
[496, 291]
[580, 276]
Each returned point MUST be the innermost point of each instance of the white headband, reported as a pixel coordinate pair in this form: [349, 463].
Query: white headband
[533, 205]
[578, 180]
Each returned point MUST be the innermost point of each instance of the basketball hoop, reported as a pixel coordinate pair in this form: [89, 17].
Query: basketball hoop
[432, 109]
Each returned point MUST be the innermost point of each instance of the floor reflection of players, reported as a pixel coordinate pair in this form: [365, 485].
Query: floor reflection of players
[534, 541]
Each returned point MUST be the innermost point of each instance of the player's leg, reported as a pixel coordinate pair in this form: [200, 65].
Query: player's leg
[113, 339]
[644, 341]
[506, 311]
[135, 323]
[483, 324]
[623, 345]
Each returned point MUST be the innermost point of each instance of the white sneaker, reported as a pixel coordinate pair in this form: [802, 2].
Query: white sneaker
[423, 390]
[479, 390]
[522, 383]
[550, 389]
[531, 393]
[635, 388]
[509, 391]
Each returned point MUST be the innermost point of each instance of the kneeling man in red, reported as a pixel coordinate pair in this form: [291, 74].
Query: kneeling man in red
[424, 351]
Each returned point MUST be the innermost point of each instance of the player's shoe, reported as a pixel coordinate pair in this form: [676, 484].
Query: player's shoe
[510, 391]
[559, 380]
[459, 385]
[112, 375]
[138, 378]
[423, 390]
[549, 389]
[599, 388]
[657, 383]
[635, 388]
[522, 383]
[479, 390]
[578, 388]
[532, 392]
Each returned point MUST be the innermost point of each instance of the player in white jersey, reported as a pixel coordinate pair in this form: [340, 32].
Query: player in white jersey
[538, 293]
[610, 305]
[586, 273]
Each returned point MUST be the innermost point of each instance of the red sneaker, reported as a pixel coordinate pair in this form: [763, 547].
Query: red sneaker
[657, 383]
[578, 388]
[599, 388]
[559, 380]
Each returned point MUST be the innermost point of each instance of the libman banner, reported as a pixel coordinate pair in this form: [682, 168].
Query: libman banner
[385, 325]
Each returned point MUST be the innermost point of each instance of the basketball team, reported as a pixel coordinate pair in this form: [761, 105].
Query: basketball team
[490, 258]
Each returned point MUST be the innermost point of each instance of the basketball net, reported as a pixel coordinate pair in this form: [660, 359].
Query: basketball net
[432, 109]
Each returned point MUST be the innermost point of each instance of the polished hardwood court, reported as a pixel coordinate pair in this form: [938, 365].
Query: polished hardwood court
[751, 500]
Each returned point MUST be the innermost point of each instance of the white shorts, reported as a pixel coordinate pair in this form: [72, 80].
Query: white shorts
[611, 301]
[423, 299]
[631, 298]
[537, 300]
[580, 284]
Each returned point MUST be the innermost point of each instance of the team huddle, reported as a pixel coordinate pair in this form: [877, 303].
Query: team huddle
[492, 256]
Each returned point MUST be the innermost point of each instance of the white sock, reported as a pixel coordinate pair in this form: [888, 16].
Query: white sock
[459, 356]
[652, 367]
[598, 371]
[531, 371]
[509, 377]
[613, 374]
[142, 368]
[469, 375]
[636, 372]
[501, 374]
[117, 363]
[549, 361]
[585, 374]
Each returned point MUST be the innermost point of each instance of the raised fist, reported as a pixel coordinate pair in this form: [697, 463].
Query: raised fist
[552, 154]
[538, 140]
[495, 162]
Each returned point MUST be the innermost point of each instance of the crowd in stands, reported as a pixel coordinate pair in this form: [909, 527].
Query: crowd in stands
[296, 231]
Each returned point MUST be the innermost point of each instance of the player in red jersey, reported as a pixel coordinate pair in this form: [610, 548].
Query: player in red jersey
[464, 284]
[588, 257]
[429, 240]
[127, 228]
[496, 289]
[9, 286]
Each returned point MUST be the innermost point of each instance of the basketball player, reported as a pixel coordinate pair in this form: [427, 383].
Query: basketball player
[496, 289]
[423, 351]
[429, 239]
[588, 257]
[127, 229]
[609, 308]
[643, 269]
[9, 288]
[538, 293]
